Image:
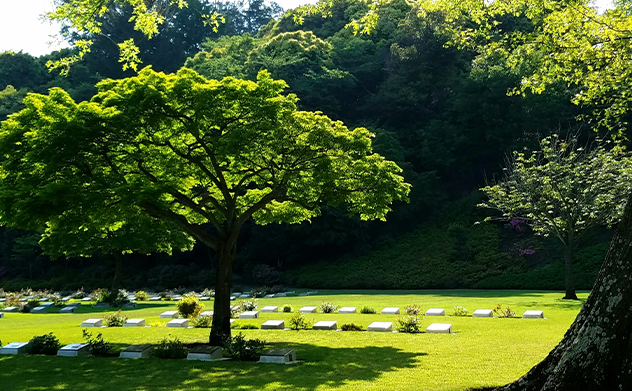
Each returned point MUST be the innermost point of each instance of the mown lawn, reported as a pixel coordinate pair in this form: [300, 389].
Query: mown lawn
[481, 352]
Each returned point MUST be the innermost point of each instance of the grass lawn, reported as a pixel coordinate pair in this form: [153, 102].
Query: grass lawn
[480, 353]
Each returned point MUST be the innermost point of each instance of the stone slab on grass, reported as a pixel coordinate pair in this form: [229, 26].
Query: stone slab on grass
[483, 314]
[325, 325]
[269, 296]
[381, 327]
[134, 323]
[390, 311]
[137, 351]
[169, 315]
[439, 328]
[245, 296]
[270, 308]
[435, 312]
[39, 310]
[1, 314]
[533, 314]
[74, 350]
[155, 298]
[205, 353]
[347, 310]
[86, 299]
[178, 323]
[282, 294]
[92, 323]
[308, 310]
[279, 356]
[11, 309]
[249, 315]
[48, 304]
[14, 348]
[75, 304]
[273, 325]
[207, 313]
[68, 310]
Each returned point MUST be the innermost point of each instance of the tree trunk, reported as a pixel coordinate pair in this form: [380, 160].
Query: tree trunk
[569, 252]
[118, 271]
[596, 351]
[220, 330]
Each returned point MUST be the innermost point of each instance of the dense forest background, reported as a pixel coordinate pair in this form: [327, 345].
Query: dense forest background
[440, 113]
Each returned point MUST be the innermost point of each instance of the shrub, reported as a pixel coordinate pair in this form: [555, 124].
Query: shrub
[299, 322]
[96, 345]
[249, 326]
[503, 313]
[141, 296]
[30, 305]
[459, 311]
[328, 308]
[367, 310]
[114, 299]
[413, 309]
[80, 294]
[351, 327]
[190, 307]
[248, 305]
[204, 321]
[46, 344]
[115, 319]
[259, 292]
[170, 348]
[208, 292]
[239, 348]
[266, 274]
[408, 324]
[286, 308]
[235, 311]
[100, 294]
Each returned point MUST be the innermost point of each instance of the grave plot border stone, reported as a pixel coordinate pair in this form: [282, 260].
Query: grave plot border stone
[207, 313]
[92, 323]
[533, 314]
[206, 353]
[181, 323]
[384, 327]
[74, 350]
[390, 311]
[435, 312]
[137, 351]
[325, 325]
[68, 310]
[348, 310]
[11, 309]
[39, 310]
[273, 325]
[249, 315]
[279, 356]
[270, 308]
[482, 313]
[134, 323]
[169, 315]
[308, 310]
[439, 328]
[1, 314]
[14, 348]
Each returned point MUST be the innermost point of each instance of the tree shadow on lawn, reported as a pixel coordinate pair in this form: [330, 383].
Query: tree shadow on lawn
[89, 309]
[464, 293]
[322, 366]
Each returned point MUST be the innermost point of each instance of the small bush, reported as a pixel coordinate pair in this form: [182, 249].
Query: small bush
[286, 308]
[141, 296]
[46, 344]
[367, 310]
[235, 311]
[80, 294]
[408, 324]
[504, 313]
[170, 348]
[249, 326]
[413, 309]
[299, 322]
[115, 299]
[239, 348]
[459, 311]
[30, 305]
[190, 307]
[208, 292]
[100, 294]
[248, 305]
[96, 345]
[328, 308]
[115, 319]
[204, 321]
[157, 323]
[351, 327]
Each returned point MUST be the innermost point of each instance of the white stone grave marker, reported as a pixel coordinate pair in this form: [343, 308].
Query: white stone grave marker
[325, 325]
[67, 310]
[11, 309]
[137, 351]
[1, 314]
[178, 323]
[282, 294]
[270, 308]
[249, 315]
[155, 298]
[38, 310]
[47, 304]
[86, 299]
[533, 314]
[439, 328]
[14, 348]
[347, 310]
[390, 311]
[92, 323]
[273, 325]
[74, 350]
[134, 323]
[435, 312]
[308, 310]
[205, 298]
[245, 296]
[205, 353]
[169, 315]
[206, 313]
[483, 314]
[279, 356]
[268, 296]
[380, 326]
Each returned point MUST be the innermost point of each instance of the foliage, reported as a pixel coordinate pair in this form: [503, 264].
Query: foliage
[115, 319]
[248, 305]
[141, 295]
[459, 311]
[96, 345]
[299, 322]
[46, 344]
[30, 304]
[239, 348]
[413, 309]
[506, 312]
[100, 295]
[189, 307]
[116, 299]
[203, 321]
[328, 308]
[286, 308]
[367, 310]
[408, 324]
[208, 292]
[266, 274]
[248, 326]
[170, 348]
[351, 327]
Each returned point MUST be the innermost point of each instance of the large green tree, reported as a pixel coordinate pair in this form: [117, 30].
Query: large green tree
[206, 155]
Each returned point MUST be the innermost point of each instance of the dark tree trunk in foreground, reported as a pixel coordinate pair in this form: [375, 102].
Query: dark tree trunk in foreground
[569, 284]
[118, 271]
[220, 329]
[596, 352]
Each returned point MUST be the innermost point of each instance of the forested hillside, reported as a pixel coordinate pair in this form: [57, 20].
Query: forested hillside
[439, 112]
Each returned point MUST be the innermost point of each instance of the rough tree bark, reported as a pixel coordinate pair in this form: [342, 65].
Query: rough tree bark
[220, 329]
[596, 351]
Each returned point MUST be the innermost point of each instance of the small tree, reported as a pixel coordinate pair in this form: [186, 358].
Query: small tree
[563, 190]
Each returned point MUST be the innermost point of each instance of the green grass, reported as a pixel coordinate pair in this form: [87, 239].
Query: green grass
[481, 353]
